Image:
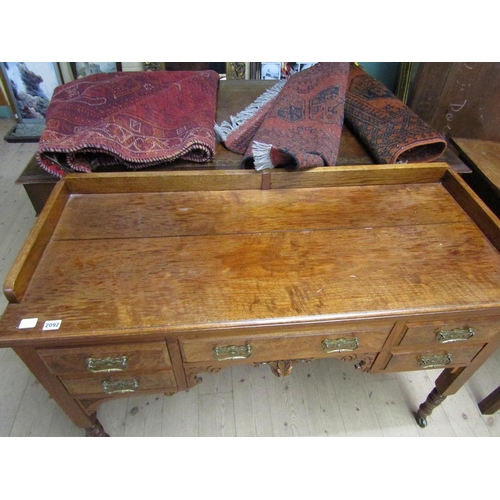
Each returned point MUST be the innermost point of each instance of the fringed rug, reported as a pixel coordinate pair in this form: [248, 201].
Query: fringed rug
[296, 124]
[135, 119]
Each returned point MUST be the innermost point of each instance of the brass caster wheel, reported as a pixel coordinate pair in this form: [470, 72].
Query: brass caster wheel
[421, 421]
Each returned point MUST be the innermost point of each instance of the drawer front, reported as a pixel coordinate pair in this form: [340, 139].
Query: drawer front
[459, 332]
[113, 384]
[272, 348]
[107, 359]
[432, 359]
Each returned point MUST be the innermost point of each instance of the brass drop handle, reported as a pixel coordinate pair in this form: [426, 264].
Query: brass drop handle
[119, 386]
[342, 344]
[99, 365]
[455, 335]
[437, 361]
[225, 353]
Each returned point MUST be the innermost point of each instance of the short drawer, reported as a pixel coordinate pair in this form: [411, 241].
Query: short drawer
[120, 384]
[283, 347]
[450, 332]
[149, 357]
[432, 359]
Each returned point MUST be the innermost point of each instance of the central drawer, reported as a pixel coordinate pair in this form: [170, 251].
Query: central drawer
[337, 342]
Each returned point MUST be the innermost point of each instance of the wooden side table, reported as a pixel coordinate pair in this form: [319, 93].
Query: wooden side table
[483, 158]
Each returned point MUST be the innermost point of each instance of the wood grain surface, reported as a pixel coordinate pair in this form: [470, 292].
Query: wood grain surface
[198, 259]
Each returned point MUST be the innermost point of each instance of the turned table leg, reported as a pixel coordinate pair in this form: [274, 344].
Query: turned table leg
[433, 400]
[97, 430]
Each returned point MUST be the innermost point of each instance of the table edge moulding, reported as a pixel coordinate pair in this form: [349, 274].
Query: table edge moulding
[138, 283]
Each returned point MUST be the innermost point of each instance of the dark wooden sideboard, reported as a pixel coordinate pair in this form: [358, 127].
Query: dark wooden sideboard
[233, 96]
[139, 283]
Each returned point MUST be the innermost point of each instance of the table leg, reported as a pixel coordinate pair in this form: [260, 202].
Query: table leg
[97, 430]
[452, 379]
[433, 400]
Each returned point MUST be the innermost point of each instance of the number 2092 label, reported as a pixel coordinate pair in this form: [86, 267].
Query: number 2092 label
[53, 324]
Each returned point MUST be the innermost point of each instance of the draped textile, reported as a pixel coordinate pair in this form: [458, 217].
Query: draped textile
[296, 125]
[135, 119]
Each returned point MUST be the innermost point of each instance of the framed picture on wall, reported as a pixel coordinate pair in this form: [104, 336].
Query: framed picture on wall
[282, 70]
[81, 69]
[270, 71]
[30, 86]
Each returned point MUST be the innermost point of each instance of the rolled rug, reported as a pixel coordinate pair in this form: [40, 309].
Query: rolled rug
[391, 131]
[295, 124]
[135, 119]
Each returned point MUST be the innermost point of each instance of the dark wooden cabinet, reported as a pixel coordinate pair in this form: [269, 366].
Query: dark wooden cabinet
[233, 96]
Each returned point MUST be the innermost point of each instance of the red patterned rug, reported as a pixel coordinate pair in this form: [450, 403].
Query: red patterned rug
[296, 124]
[392, 131]
[135, 119]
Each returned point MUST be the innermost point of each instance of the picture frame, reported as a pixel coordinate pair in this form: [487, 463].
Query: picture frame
[281, 70]
[82, 69]
[30, 86]
[236, 71]
[406, 70]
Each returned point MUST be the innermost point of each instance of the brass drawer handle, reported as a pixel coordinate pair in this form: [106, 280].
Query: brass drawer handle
[232, 352]
[96, 365]
[344, 344]
[437, 361]
[119, 386]
[455, 335]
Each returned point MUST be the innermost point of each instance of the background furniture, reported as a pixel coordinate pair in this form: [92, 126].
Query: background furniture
[483, 157]
[233, 96]
[458, 99]
[491, 403]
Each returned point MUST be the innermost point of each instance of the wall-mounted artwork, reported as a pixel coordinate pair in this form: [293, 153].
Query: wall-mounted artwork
[281, 70]
[81, 69]
[30, 86]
